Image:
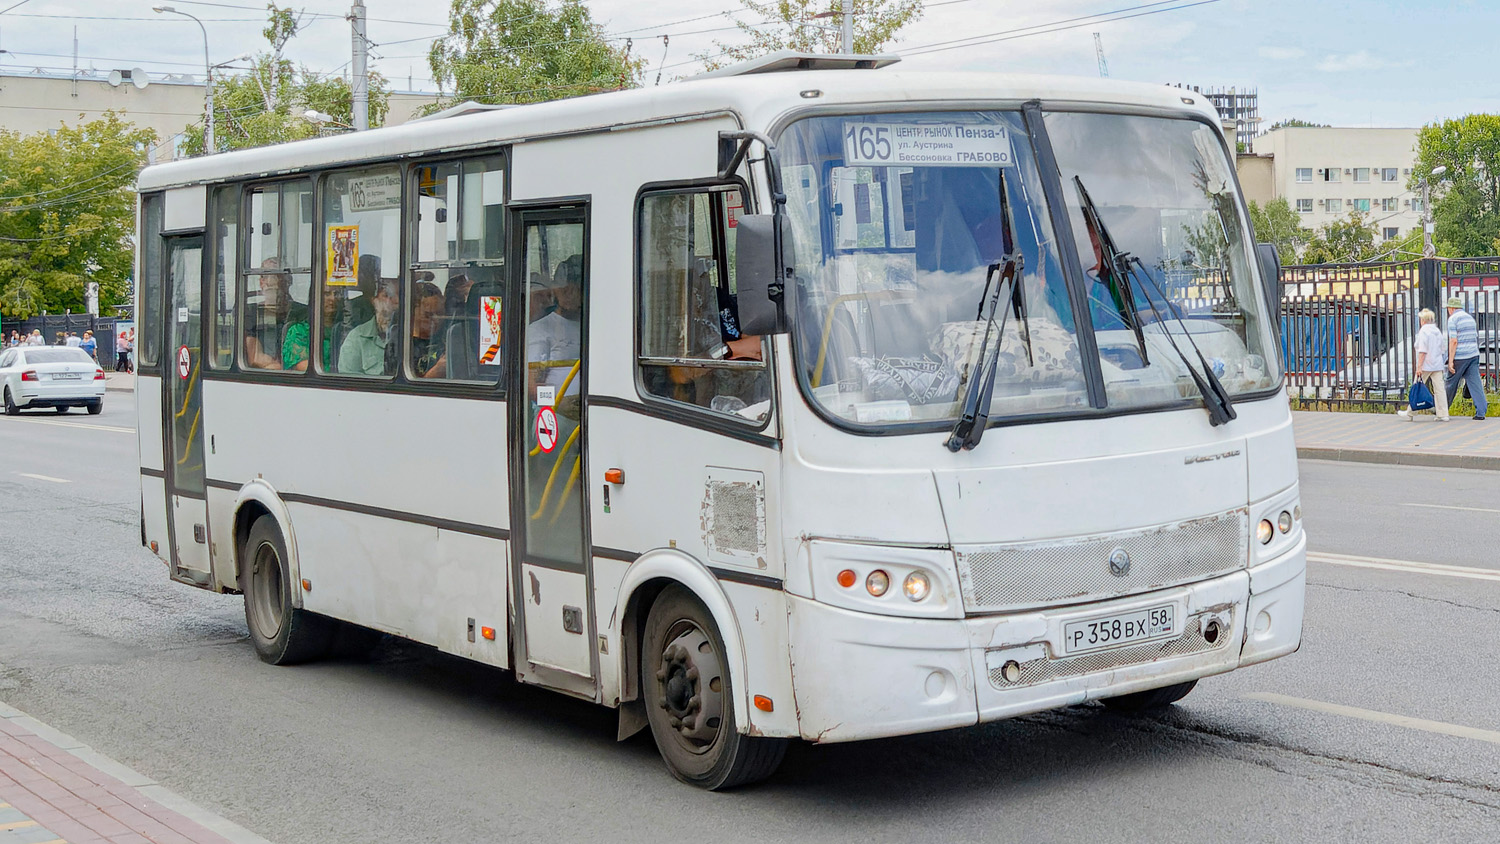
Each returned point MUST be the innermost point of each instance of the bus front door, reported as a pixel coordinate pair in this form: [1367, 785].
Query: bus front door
[182, 406]
[553, 602]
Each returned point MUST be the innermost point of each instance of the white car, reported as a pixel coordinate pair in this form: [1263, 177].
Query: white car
[58, 377]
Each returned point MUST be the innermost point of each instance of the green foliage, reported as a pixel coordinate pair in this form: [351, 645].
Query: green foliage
[1345, 241]
[1278, 224]
[789, 25]
[1294, 123]
[265, 106]
[68, 215]
[525, 51]
[1466, 199]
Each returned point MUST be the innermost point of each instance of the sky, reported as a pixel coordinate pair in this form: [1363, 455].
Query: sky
[1391, 63]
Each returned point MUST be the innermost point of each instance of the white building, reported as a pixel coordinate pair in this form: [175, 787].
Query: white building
[38, 102]
[1326, 173]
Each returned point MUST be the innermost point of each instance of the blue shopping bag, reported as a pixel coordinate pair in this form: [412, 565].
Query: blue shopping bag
[1419, 396]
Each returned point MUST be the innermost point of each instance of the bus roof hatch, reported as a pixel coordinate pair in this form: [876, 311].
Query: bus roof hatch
[785, 60]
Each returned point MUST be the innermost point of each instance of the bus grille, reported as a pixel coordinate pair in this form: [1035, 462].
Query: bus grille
[997, 578]
[1042, 670]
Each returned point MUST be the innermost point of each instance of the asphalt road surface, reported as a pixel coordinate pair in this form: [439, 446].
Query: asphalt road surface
[1385, 727]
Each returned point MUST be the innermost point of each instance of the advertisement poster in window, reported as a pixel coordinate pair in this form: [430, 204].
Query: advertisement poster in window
[489, 330]
[343, 256]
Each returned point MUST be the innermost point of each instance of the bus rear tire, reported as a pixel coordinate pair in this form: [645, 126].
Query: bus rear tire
[1150, 699]
[689, 699]
[281, 633]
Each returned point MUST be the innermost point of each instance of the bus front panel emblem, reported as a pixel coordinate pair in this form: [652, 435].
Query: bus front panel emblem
[1119, 562]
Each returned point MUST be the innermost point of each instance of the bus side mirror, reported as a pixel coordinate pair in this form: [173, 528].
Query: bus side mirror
[1270, 271]
[759, 277]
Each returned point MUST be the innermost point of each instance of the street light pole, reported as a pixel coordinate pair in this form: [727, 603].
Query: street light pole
[208, 76]
[1428, 249]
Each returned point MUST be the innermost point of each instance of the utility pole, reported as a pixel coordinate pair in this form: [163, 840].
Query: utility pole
[1428, 249]
[848, 27]
[359, 82]
[1099, 52]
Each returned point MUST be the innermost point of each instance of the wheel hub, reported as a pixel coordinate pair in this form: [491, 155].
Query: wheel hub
[692, 686]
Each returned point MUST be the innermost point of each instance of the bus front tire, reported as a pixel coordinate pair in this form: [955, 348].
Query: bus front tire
[689, 699]
[281, 633]
[1150, 699]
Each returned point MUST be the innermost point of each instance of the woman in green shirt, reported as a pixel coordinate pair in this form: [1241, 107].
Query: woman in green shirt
[298, 343]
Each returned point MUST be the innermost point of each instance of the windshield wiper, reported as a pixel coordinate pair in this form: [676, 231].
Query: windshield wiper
[1114, 270]
[1124, 270]
[981, 387]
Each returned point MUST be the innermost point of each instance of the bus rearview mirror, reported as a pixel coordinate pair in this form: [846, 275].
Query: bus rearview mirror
[759, 280]
[1270, 272]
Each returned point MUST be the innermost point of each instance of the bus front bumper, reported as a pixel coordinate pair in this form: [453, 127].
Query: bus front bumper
[859, 676]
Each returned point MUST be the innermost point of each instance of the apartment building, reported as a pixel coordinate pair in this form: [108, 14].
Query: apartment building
[1327, 173]
[40, 101]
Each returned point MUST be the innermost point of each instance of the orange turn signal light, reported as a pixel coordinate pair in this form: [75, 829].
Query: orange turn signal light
[153, 546]
[847, 578]
[764, 703]
[488, 633]
[614, 476]
[306, 585]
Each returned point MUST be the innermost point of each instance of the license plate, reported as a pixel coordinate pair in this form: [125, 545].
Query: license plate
[1112, 631]
[65, 376]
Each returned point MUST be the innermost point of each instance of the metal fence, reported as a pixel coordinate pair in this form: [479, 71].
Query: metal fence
[1348, 329]
[53, 324]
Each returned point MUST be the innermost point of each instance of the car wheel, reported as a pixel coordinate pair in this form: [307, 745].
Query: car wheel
[62, 408]
[96, 408]
[1150, 699]
[10, 406]
[689, 699]
[281, 633]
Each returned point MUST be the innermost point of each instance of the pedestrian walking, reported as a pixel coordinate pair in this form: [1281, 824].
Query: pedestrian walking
[90, 345]
[1463, 355]
[36, 338]
[124, 346]
[15, 339]
[1432, 363]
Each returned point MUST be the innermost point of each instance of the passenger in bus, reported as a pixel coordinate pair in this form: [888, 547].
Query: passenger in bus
[297, 346]
[266, 321]
[554, 339]
[364, 350]
[427, 343]
[458, 328]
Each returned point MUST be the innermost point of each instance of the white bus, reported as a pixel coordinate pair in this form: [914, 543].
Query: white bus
[808, 400]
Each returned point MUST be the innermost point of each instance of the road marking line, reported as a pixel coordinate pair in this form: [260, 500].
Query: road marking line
[1454, 507]
[44, 478]
[79, 425]
[1441, 727]
[1439, 569]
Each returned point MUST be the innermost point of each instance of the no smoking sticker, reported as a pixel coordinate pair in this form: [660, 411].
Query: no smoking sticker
[546, 430]
[184, 362]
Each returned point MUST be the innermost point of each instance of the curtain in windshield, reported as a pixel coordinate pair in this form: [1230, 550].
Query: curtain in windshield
[901, 241]
[1165, 197]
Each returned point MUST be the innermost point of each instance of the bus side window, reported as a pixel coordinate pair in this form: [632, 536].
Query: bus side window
[691, 348]
[277, 278]
[151, 281]
[224, 240]
[360, 297]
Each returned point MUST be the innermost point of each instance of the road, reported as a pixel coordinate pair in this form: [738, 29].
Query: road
[1385, 727]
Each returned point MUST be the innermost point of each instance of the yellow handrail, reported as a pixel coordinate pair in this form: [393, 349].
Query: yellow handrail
[563, 499]
[562, 391]
[817, 374]
[541, 506]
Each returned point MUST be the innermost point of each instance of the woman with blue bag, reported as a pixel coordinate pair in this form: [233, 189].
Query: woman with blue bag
[1429, 389]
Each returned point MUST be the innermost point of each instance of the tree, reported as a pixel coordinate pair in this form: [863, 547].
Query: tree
[266, 105]
[1294, 123]
[67, 214]
[524, 51]
[1466, 199]
[1345, 241]
[790, 25]
[1278, 224]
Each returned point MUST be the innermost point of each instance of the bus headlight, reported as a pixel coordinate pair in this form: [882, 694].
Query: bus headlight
[917, 585]
[1264, 531]
[877, 583]
[1284, 521]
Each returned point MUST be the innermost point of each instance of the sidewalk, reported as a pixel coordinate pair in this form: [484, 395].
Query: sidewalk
[1460, 443]
[117, 382]
[54, 790]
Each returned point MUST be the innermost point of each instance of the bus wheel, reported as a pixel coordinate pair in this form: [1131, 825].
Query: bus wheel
[685, 680]
[282, 634]
[1150, 699]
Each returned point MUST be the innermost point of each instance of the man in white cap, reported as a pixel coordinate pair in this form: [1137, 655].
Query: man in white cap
[1463, 355]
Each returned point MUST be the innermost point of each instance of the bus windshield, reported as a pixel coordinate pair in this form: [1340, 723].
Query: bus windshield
[898, 230]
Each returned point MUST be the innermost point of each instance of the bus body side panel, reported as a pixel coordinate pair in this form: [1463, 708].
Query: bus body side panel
[149, 441]
[406, 534]
[221, 539]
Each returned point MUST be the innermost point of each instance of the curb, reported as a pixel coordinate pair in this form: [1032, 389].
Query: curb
[119, 389]
[147, 787]
[1432, 459]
